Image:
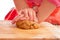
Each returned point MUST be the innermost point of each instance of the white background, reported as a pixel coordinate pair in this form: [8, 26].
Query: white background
[5, 7]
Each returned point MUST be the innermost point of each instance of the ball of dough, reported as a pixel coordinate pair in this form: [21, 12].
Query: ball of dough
[25, 24]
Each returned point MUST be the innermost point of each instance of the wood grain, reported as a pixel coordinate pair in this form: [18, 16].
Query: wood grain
[46, 31]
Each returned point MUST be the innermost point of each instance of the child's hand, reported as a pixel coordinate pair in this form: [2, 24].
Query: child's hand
[26, 14]
[56, 2]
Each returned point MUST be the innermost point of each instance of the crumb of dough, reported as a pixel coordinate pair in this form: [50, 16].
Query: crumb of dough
[25, 24]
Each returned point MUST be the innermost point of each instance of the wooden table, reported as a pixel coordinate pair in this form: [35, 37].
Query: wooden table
[46, 31]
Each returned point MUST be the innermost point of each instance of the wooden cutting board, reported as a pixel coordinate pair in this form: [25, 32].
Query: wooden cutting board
[46, 31]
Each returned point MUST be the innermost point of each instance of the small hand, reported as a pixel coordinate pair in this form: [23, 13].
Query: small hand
[26, 14]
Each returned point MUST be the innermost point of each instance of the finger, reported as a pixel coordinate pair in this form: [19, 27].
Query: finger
[21, 12]
[35, 17]
[26, 13]
[22, 18]
[17, 18]
[30, 13]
